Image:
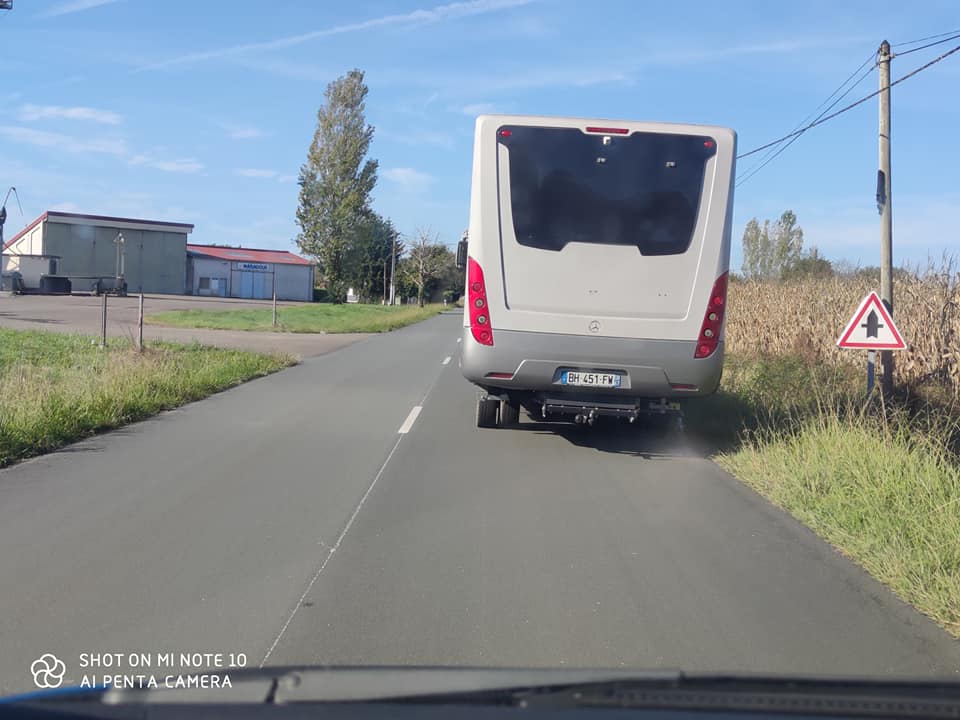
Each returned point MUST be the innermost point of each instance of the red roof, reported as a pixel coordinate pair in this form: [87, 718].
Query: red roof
[279, 257]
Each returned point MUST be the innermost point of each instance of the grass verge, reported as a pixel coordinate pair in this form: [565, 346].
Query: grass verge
[57, 388]
[881, 484]
[312, 318]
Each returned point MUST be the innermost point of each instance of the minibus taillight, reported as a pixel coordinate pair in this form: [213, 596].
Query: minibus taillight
[479, 308]
[709, 336]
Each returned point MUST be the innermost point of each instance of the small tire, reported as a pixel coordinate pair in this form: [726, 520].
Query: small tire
[487, 411]
[509, 414]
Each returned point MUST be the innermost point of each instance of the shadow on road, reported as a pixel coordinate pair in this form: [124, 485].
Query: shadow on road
[711, 425]
[648, 439]
[22, 318]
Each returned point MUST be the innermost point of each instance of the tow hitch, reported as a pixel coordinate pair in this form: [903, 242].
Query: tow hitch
[585, 412]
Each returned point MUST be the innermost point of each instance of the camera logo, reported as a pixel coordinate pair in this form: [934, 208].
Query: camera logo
[48, 671]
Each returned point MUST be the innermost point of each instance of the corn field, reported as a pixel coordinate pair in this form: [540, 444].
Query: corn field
[803, 318]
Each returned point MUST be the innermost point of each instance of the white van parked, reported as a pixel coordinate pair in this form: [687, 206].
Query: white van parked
[596, 262]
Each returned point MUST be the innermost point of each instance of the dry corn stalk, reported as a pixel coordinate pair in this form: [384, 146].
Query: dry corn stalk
[804, 317]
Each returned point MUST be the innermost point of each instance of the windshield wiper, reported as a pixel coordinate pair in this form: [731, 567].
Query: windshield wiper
[838, 698]
[565, 688]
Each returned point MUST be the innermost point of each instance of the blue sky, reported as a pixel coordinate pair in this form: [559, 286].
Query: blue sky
[202, 111]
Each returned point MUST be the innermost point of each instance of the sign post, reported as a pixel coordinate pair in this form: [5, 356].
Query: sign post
[140, 324]
[103, 323]
[871, 328]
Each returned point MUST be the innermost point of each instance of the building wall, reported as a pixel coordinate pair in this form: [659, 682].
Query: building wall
[294, 282]
[30, 244]
[154, 261]
[30, 268]
[249, 279]
[216, 274]
[252, 280]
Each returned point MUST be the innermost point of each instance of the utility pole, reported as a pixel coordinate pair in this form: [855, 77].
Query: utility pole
[884, 202]
[393, 267]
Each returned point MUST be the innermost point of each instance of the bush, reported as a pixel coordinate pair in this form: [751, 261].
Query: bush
[321, 295]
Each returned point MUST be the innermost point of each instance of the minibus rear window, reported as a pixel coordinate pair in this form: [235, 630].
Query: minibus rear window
[641, 189]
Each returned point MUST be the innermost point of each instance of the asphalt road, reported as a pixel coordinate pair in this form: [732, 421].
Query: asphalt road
[315, 516]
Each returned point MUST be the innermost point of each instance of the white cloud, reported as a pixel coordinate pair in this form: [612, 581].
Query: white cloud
[407, 179]
[179, 165]
[693, 53]
[29, 113]
[440, 13]
[186, 165]
[243, 132]
[256, 173]
[106, 146]
[477, 109]
[286, 178]
[67, 206]
[58, 141]
[454, 84]
[424, 137]
[286, 68]
[72, 6]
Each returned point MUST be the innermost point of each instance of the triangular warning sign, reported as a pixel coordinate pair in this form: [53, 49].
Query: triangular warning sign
[872, 328]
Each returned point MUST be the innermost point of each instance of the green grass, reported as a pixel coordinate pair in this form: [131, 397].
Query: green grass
[56, 388]
[880, 484]
[311, 318]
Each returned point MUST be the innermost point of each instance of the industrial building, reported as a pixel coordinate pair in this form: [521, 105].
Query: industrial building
[248, 273]
[149, 256]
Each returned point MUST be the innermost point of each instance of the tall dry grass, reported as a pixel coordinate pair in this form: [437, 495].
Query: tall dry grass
[57, 388]
[880, 481]
[803, 318]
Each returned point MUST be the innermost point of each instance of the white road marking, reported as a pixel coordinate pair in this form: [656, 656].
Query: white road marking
[356, 511]
[446, 359]
[330, 552]
[411, 419]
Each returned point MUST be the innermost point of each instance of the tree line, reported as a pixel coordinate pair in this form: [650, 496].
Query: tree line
[774, 251]
[353, 245]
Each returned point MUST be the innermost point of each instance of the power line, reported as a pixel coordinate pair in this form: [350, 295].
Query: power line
[924, 47]
[774, 152]
[870, 58]
[923, 39]
[850, 106]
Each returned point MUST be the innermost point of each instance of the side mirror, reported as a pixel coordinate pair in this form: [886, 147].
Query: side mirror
[461, 255]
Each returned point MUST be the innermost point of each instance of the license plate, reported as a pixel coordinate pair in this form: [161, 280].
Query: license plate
[590, 379]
